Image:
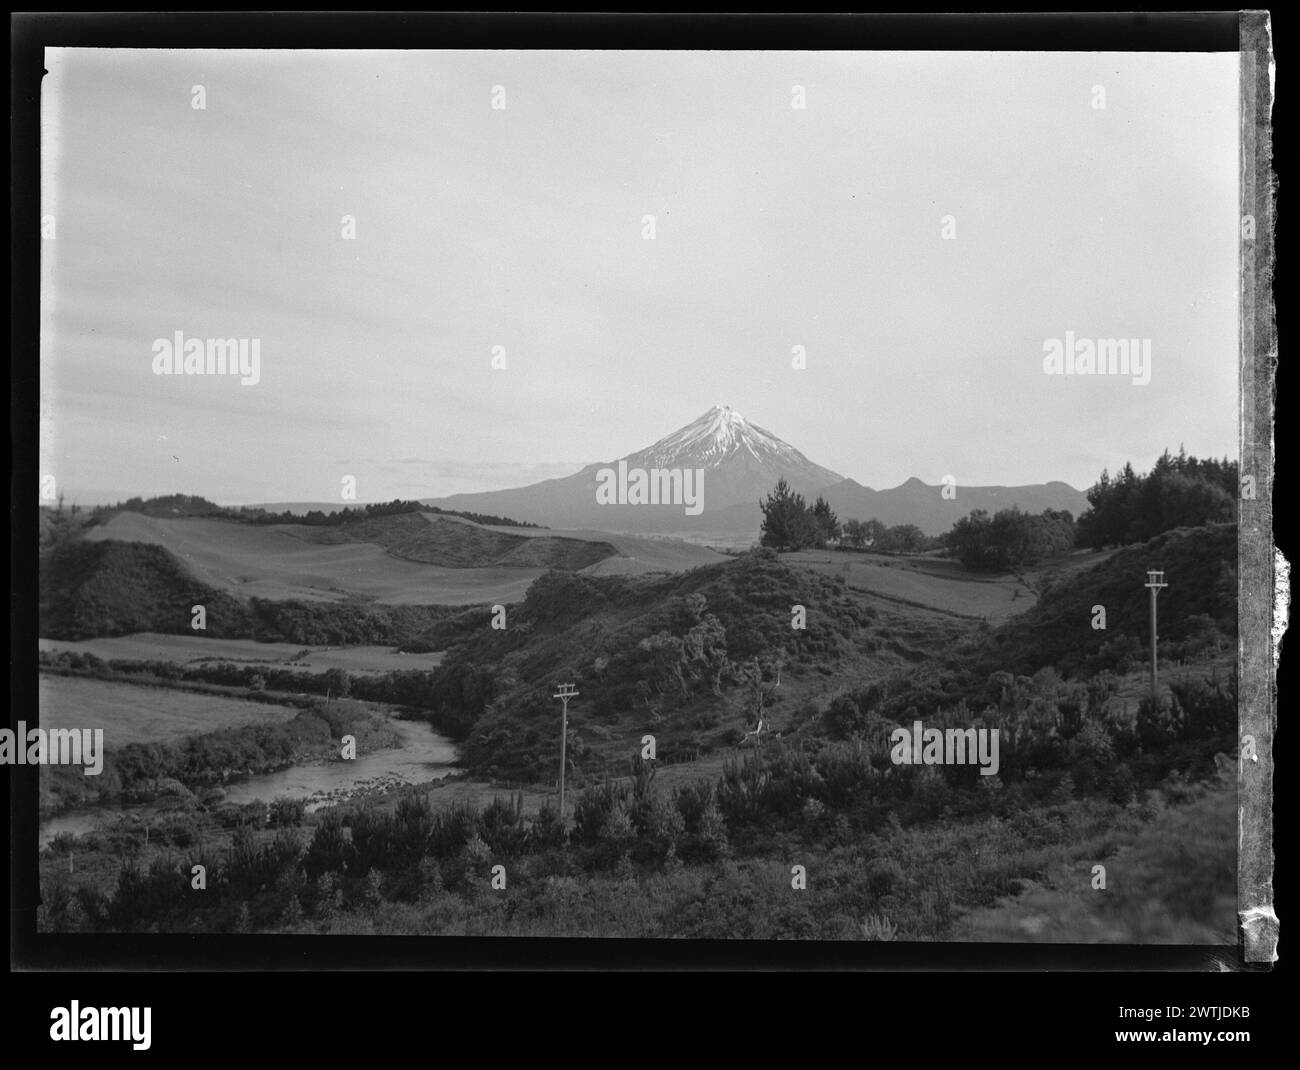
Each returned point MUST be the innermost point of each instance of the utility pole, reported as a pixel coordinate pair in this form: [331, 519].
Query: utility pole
[1155, 582]
[565, 693]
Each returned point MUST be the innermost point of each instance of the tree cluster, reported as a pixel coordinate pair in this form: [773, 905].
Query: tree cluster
[1010, 539]
[899, 539]
[1179, 491]
[790, 523]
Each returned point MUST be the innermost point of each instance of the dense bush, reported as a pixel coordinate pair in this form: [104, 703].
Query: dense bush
[1010, 539]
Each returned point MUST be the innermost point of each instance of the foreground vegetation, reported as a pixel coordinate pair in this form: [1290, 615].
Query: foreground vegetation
[887, 853]
[807, 830]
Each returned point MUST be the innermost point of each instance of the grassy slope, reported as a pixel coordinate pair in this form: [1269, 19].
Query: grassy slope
[405, 559]
[271, 562]
[853, 635]
[925, 581]
[451, 542]
[131, 714]
[589, 630]
[1200, 566]
[198, 650]
[90, 587]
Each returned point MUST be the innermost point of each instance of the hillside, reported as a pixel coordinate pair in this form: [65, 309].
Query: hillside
[671, 655]
[89, 588]
[143, 573]
[1200, 566]
[268, 562]
[450, 542]
[1050, 654]
[679, 846]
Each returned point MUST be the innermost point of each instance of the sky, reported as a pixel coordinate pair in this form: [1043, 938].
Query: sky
[921, 227]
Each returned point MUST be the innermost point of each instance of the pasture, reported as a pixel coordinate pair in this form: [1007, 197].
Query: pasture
[270, 562]
[637, 554]
[934, 583]
[131, 714]
[942, 583]
[197, 650]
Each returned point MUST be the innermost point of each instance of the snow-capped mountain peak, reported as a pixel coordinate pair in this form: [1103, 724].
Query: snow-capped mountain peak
[717, 436]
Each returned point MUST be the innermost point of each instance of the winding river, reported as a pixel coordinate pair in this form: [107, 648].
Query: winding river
[423, 755]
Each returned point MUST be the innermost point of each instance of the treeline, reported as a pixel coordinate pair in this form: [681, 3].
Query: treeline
[899, 539]
[215, 757]
[192, 505]
[1179, 491]
[165, 505]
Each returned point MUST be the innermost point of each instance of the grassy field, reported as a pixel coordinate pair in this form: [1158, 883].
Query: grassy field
[195, 650]
[130, 714]
[941, 583]
[636, 553]
[268, 562]
[930, 582]
[281, 562]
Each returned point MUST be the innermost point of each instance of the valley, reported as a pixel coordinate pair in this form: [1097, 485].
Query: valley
[733, 716]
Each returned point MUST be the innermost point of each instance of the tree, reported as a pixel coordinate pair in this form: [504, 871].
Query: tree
[902, 539]
[338, 681]
[828, 525]
[787, 521]
[855, 534]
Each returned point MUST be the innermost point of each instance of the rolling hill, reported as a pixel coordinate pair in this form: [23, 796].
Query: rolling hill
[924, 505]
[138, 573]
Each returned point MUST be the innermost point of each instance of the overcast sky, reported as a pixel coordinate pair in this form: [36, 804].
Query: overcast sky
[522, 227]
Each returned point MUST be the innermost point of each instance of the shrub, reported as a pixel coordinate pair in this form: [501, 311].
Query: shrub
[1090, 755]
[878, 927]
[502, 825]
[287, 813]
[330, 851]
[546, 831]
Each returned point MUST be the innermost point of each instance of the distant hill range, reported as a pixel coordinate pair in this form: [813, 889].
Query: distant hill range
[743, 462]
[923, 504]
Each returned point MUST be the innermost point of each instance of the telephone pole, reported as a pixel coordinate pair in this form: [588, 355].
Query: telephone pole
[565, 693]
[1155, 582]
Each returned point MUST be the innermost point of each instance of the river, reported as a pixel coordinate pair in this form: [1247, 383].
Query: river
[424, 755]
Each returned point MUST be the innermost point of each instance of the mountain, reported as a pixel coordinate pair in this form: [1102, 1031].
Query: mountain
[742, 462]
